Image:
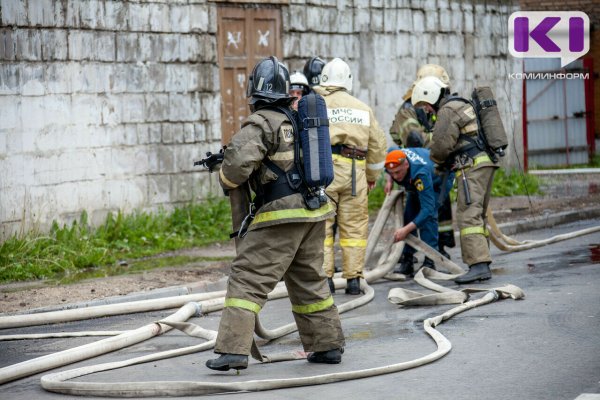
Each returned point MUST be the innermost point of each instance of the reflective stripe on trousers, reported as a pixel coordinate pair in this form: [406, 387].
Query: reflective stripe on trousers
[314, 307]
[473, 230]
[241, 303]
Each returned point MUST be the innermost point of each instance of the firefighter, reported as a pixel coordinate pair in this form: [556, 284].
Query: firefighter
[284, 240]
[312, 71]
[414, 170]
[359, 147]
[454, 146]
[298, 87]
[412, 128]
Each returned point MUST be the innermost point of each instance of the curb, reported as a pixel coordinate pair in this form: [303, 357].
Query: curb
[548, 221]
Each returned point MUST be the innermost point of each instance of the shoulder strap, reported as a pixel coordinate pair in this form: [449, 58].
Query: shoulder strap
[313, 121]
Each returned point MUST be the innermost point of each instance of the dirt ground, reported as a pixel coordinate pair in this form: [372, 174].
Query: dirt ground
[561, 194]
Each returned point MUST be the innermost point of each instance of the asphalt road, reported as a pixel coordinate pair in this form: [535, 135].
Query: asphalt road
[546, 346]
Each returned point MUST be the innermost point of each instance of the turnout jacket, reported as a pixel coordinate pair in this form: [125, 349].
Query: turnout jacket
[352, 123]
[454, 118]
[266, 134]
[405, 122]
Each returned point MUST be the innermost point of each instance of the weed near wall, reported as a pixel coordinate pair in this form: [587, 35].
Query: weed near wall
[67, 249]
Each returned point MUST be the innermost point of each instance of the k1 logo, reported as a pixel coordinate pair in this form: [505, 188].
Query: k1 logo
[547, 34]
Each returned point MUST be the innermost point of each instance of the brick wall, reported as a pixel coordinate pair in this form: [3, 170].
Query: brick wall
[385, 41]
[105, 104]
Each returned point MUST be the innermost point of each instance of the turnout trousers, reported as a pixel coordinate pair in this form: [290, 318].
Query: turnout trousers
[294, 252]
[352, 218]
[471, 219]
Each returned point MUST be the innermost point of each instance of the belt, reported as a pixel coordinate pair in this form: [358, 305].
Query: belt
[353, 153]
[349, 151]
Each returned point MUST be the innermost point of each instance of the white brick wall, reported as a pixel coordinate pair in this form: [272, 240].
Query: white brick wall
[393, 38]
[104, 104]
[99, 101]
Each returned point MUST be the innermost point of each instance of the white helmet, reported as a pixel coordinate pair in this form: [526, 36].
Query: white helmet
[336, 73]
[427, 90]
[433, 70]
[299, 81]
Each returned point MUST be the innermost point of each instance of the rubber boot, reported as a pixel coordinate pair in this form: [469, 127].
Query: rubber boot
[326, 357]
[227, 361]
[331, 285]
[406, 266]
[477, 272]
[353, 286]
[428, 262]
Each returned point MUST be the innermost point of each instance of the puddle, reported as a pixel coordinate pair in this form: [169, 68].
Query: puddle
[586, 255]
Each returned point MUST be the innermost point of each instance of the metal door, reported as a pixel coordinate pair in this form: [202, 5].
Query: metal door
[557, 117]
[245, 36]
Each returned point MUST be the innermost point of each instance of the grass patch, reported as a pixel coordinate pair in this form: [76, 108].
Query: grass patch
[506, 184]
[68, 249]
[514, 183]
[377, 195]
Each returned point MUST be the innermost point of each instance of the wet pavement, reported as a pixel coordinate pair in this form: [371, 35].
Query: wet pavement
[546, 346]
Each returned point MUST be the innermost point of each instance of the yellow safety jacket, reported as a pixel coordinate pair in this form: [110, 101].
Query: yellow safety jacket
[266, 134]
[352, 123]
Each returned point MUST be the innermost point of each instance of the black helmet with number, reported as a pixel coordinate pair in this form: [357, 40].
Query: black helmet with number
[269, 82]
[312, 70]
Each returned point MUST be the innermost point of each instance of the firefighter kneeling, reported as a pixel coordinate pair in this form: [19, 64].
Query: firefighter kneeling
[413, 170]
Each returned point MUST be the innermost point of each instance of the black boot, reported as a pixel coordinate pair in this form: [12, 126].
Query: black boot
[477, 272]
[227, 361]
[444, 252]
[428, 262]
[326, 357]
[406, 266]
[331, 285]
[353, 286]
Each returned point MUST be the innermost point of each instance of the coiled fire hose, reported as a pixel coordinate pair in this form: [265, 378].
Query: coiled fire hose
[57, 381]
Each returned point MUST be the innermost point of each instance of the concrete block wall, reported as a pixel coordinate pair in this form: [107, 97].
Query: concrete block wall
[385, 41]
[104, 105]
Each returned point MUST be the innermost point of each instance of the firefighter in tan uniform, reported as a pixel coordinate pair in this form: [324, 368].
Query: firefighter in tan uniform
[284, 240]
[412, 127]
[453, 146]
[359, 149]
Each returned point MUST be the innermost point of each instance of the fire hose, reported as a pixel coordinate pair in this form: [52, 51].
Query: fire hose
[58, 381]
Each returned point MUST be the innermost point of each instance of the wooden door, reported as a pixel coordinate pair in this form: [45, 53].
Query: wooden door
[245, 36]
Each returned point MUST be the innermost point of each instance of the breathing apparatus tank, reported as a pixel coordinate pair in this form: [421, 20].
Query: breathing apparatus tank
[490, 122]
